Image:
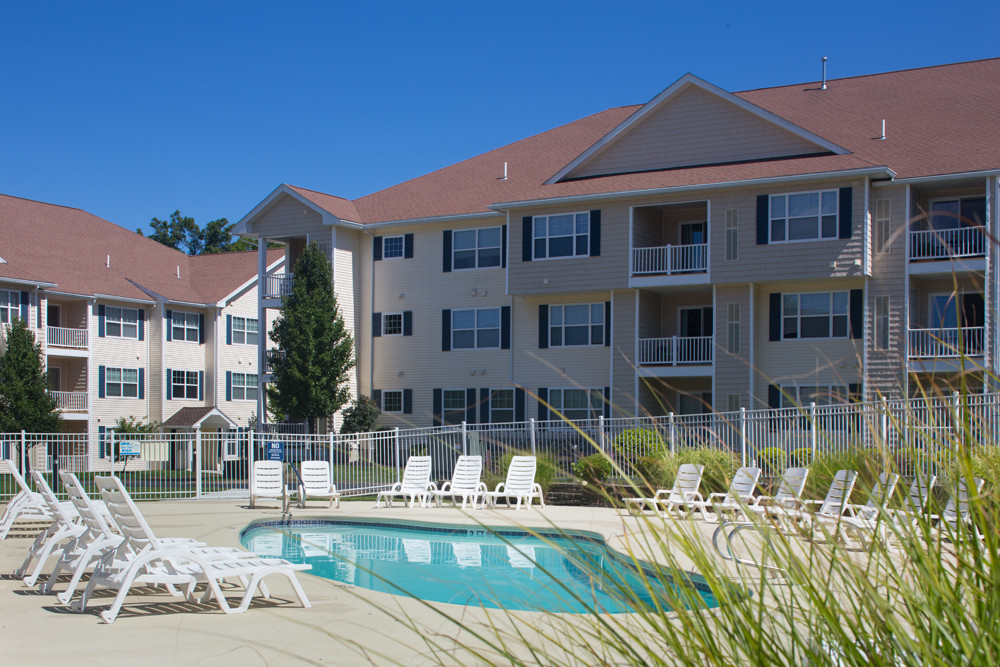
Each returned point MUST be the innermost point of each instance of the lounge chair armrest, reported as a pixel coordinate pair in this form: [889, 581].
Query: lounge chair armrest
[445, 487]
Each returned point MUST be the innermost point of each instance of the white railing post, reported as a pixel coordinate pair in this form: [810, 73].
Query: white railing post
[197, 463]
[603, 436]
[395, 438]
[956, 415]
[531, 424]
[812, 422]
[669, 258]
[24, 453]
[673, 433]
[331, 454]
[465, 439]
[743, 435]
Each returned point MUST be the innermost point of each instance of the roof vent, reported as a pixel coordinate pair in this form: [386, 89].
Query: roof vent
[882, 138]
[823, 86]
[178, 270]
[504, 177]
[108, 262]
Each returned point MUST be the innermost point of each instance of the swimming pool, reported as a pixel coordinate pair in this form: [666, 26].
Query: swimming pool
[470, 565]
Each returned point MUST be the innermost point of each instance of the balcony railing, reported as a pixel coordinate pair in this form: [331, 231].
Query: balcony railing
[675, 350]
[269, 357]
[670, 259]
[277, 286]
[947, 343]
[947, 243]
[75, 401]
[62, 337]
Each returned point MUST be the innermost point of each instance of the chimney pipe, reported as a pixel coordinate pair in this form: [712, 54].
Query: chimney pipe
[823, 87]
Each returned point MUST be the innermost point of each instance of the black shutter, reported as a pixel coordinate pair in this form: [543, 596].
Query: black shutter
[470, 406]
[100, 382]
[142, 383]
[854, 393]
[377, 397]
[504, 327]
[376, 325]
[141, 323]
[774, 316]
[484, 406]
[438, 408]
[543, 326]
[446, 253]
[520, 398]
[773, 396]
[407, 401]
[25, 301]
[170, 325]
[857, 313]
[100, 322]
[101, 453]
[446, 330]
[543, 409]
[229, 385]
[407, 246]
[526, 239]
[763, 218]
[595, 233]
[407, 322]
[201, 384]
[377, 248]
[607, 324]
[201, 328]
[503, 247]
[170, 387]
[229, 330]
[846, 212]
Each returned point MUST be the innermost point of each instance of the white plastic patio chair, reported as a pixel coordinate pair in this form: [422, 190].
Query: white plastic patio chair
[415, 485]
[64, 528]
[316, 482]
[673, 500]
[25, 506]
[878, 499]
[837, 496]
[957, 514]
[268, 482]
[887, 525]
[735, 500]
[519, 485]
[788, 496]
[465, 482]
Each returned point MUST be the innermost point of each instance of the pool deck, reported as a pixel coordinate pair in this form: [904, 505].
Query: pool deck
[343, 624]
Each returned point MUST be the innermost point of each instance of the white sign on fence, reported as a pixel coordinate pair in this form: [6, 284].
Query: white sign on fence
[275, 450]
[128, 448]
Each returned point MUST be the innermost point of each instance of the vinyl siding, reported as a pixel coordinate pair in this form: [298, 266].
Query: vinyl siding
[117, 353]
[887, 368]
[732, 372]
[287, 217]
[623, 353]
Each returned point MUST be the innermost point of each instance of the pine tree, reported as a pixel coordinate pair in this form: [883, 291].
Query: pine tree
[25, 403]
[311, 377]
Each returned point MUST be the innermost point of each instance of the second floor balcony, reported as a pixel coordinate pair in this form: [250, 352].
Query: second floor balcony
[947, 244]
[277, 286]
[68, 338]
[670, 260]
[270, 356]
[947, 343]
[676, 351]
[70, 401]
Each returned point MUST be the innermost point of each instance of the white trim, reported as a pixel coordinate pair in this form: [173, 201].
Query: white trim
[229, 298]
[31, 283]
[431, 219]
[690, 79]
[242, 227]
[111, 297]
[985, 173]
[401, 401]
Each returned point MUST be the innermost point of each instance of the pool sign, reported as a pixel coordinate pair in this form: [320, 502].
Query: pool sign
[126, 448]
[275, 450]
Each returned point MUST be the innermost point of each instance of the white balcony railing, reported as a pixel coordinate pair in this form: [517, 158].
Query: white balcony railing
[947, 243]
[277, 286]
[675, 350]
[670, 259]
[75, 401]
[62, 337]
[946, 343]
[269, 357]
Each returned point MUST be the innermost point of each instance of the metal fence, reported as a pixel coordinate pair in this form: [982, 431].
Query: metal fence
[907, 436]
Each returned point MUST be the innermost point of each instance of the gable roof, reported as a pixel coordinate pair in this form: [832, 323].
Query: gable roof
[73, 251]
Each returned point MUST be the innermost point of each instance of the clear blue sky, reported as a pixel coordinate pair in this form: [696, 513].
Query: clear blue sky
[131, 110]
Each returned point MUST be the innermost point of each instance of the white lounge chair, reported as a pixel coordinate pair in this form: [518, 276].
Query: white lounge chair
[683, 493]
[788, 496]
[25, 506]
[957, 514]
[316, 482]
[837, 496]
[465, 482]
[268, 482]
[416, 483]
[887, 524]
[520, 485]
[733, 502]
[65, 527]
[143, 558]
[878, 499]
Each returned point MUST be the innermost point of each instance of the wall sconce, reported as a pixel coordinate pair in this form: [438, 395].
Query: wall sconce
[399, 374]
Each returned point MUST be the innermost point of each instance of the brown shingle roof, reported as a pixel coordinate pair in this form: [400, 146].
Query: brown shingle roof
[71, 248]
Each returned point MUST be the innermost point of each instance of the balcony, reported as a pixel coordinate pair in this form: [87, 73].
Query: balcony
[947, 244]
[676, 351]
[277, 286]
[951, 343]
[670, 259]
[69, 338]
[269, 357]
[70, 401]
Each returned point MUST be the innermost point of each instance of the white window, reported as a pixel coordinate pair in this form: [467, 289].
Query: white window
[10, 304]
[882, 322]
[814, 315]
[392, 246]
[475, 329]
[502, 406]
[883, 212]
[957, 213]
[476, 248]
[121, 382]
[577, 324]
[392, 401]
[454, 406]
[184, 326]
[563, 235]
[184, 385]
[244, 386]
[734, 328]
[245, 331]
[804, 215]
[825, 394]
[392, 324]
[121, 322]
[577, 404]
[732, 234]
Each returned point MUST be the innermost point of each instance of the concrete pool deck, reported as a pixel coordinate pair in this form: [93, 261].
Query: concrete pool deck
[345, 625]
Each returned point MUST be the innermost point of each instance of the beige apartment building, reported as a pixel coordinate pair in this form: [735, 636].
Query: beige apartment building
[709, 250]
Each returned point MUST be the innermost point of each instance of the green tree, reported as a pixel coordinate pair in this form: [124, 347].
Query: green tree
[25, 403]
[361, 416]
[175, 232]
[183, 233]
[310, 378]
[133, 425]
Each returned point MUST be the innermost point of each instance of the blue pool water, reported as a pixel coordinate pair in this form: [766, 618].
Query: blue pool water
[468, 565]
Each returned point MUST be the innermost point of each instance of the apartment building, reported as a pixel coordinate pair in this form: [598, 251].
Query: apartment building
[816, 242]
[130, 328]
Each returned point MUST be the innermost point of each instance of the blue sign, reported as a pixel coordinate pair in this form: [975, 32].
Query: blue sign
[128, 448]
[275, 450]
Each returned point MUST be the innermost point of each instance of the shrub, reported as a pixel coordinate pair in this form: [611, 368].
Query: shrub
[826, 464]
[545, 469]
[720, 466]
[594, 469]
[635, 442]
[653, 472]
[800, 457]
[361, 416]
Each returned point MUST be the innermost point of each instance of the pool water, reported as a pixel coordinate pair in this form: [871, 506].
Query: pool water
[470, 565]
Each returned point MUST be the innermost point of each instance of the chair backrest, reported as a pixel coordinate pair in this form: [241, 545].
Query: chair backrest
[520, 474]
[468, 471]
[792, 483]
[744, 484]
[49, 498]
[882, 492]
[267, 478]
[839, 492]
[688, 479]
[316, 476]
[18, 477]
[919, 493]
[417, 473]
[90, 515]
[957, 508]
[138, 535]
